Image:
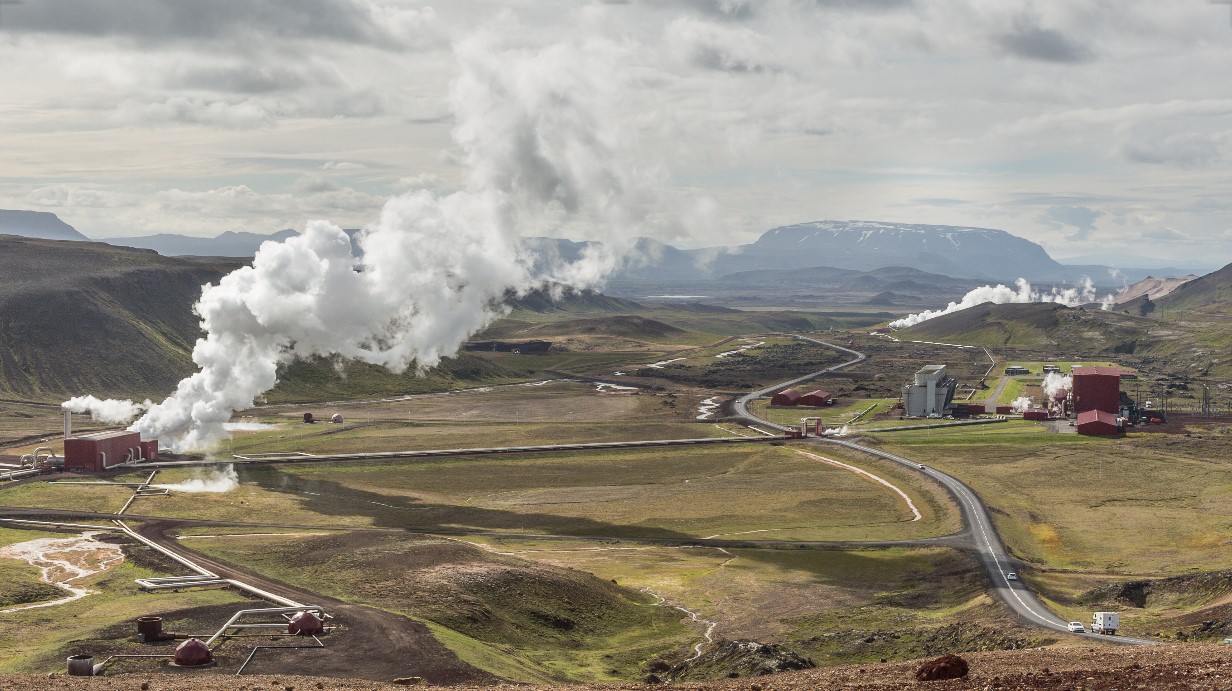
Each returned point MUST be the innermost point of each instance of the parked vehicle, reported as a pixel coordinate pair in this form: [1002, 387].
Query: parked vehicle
[1106, 623]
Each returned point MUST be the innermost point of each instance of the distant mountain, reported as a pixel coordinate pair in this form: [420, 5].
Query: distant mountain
[953, 251]
[37, 224]
[228, 244]
[866, 245]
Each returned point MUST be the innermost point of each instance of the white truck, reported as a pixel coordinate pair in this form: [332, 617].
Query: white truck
[1106, 623]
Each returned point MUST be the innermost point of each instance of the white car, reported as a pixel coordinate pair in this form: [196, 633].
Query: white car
[921, 466]
[1011, 576]
[1076, 627]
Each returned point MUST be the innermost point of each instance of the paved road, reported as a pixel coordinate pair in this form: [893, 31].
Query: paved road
[740, 407]
[984, 541]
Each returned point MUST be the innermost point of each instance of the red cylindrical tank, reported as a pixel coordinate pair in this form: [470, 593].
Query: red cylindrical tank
[192, 653]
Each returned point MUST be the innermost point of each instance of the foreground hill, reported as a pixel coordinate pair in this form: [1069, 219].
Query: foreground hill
[1095, 666]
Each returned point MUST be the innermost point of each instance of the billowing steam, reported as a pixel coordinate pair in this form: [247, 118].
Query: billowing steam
[1001, 295]
[1056, 383]
[1021, 404]
[542, 137]
[110, 411]
[217, 481]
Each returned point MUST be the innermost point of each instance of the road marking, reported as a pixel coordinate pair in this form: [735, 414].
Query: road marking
[860, 471]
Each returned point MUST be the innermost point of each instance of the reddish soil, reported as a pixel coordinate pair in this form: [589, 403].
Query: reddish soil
[1158, 668]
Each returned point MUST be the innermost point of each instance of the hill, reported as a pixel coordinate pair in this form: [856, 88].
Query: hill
[37, 224]
[1037, 326]
[90, 317]
[1152, 288]
[1213, 290]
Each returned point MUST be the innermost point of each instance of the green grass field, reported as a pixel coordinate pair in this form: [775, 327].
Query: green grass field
[1147, 504]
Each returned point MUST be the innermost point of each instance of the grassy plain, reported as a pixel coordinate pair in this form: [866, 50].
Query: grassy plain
[1148, 504]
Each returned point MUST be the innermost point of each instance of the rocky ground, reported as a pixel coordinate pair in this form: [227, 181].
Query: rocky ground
[1106, 668]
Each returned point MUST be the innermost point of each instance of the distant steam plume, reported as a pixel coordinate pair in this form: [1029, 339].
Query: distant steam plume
[1001, 294]
[112, 412]
[1056, 383]
[541, 136]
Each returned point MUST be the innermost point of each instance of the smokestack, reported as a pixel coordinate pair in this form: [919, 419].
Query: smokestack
[68, 424]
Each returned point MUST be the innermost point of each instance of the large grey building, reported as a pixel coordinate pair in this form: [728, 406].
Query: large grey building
[931, 392]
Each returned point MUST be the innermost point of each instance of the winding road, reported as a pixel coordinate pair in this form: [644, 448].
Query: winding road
[979, 534]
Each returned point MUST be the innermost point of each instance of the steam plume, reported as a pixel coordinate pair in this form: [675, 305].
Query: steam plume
[542, 140]
[1021, 404]
[1001, 294]
[1055, 383]
[109, 411]
[213, 481]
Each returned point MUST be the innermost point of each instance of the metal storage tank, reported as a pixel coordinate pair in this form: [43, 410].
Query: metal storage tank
[1098, 422]
[305, 624]
[192, 653]
[785, 397]
[90, 453]
[815, 398]
[1097, 388]
[336, 418]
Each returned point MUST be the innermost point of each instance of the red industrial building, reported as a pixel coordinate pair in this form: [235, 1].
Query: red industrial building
[1038, 414]
[816, 398]
[90, 453]
[787, 397]
[1097, 388]
[975, 409]
[1097, 422]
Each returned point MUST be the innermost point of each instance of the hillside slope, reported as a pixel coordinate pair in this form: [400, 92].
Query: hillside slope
[1213, 290]
[37, 224]
[1037, 325]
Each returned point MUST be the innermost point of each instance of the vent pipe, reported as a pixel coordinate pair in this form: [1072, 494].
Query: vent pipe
[68, 424]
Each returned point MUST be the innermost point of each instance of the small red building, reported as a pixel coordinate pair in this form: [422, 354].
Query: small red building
[1097, 388]
[1035, 414]
[149, 450]
[815, 398]
[90, 453]
[786, 397]
[1005, 410]
[1097, 422]
[975, 408]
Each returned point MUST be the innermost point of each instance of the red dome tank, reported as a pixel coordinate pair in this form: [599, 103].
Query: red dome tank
[305, 624]
[192, 653]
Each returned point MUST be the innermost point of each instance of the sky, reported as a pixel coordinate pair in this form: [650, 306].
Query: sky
[1097, 128]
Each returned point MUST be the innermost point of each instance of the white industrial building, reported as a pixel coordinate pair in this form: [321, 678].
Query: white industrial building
[930, 393]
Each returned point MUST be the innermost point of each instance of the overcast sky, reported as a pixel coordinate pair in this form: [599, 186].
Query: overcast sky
[1089, 126]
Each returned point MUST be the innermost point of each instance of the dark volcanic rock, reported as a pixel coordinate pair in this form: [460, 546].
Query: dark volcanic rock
[944, 667]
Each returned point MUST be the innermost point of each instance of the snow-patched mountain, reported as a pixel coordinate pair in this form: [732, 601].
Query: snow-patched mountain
[866, 245]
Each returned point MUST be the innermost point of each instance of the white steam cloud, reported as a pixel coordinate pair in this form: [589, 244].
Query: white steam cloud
[112, 412]
[543, 138]
[1021, 404]
[1055, 383]
[214, 481]
[1002, 294]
